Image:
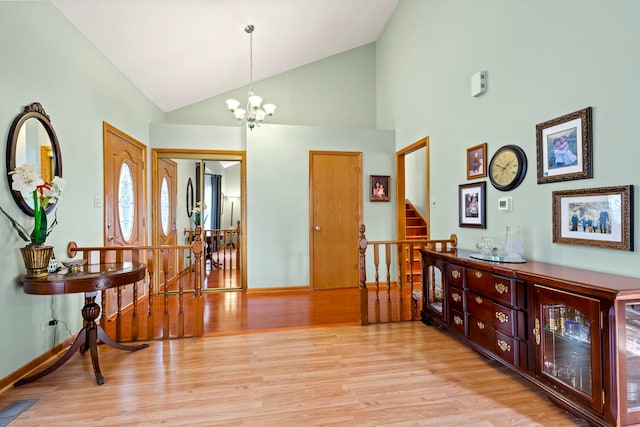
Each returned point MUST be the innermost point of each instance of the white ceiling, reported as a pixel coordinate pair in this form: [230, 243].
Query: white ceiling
[183, 51]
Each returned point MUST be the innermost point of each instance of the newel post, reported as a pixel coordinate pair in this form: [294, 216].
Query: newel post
[362, 269]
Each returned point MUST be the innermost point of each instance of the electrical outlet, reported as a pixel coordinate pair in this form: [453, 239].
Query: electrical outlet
[48, 323]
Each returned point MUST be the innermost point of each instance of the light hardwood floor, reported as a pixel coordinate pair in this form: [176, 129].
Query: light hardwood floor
[398, 374]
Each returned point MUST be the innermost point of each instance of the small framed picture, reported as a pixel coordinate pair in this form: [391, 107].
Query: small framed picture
[564, 147]
[472, 205]
[379, 188]
[600, 217]
[477, 161]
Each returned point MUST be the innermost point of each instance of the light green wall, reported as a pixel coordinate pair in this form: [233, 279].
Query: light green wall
[45, 59]
[338, 91]
[544, 59]
[278, 188]
[278, 231]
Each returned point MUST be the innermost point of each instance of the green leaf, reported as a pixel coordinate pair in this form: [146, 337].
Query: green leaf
[19, 228]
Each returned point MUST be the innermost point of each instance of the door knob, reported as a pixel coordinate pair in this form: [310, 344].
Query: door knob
[317, 228]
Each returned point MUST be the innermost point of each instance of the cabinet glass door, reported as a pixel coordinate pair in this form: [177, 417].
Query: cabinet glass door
[566, 348]
[632, 329]
[567, 333]
[435, 289]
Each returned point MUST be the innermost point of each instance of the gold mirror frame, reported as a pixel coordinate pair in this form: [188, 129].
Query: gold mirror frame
[36, 111]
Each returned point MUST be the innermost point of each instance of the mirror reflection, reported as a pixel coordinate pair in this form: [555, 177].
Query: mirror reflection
[32, 140]
[213, 189]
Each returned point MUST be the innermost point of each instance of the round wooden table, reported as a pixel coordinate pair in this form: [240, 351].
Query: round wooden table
[88, 279]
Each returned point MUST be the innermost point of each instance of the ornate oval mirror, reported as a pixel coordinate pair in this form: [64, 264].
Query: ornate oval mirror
[32, 140]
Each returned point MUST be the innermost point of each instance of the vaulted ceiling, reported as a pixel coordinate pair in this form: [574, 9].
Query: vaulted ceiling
[178, 52]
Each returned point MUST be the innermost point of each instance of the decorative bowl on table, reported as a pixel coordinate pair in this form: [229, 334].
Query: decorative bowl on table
[74, 265]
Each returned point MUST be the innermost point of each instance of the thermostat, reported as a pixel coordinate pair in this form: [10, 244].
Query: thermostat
[504, 204]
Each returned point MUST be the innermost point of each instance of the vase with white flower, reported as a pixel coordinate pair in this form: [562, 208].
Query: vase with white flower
[197, 213]
[26, 180]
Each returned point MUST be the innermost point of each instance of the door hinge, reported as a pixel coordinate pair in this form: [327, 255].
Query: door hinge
[602, 397]
[602, 321]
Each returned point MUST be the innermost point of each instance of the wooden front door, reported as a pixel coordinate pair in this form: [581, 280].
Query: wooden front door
[335, 214]
[124, 198]
[165, 200]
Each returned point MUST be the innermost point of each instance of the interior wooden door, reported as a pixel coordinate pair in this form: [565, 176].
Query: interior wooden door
[166, 191]
[124, 198]
[335, 216]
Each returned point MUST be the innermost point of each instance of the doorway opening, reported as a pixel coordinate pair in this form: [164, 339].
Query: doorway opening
[207, 188]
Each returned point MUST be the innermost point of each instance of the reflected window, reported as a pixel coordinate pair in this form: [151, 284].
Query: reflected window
[164, 206]
[126, 202]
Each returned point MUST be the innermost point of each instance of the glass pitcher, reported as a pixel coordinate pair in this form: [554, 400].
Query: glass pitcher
[513, 242]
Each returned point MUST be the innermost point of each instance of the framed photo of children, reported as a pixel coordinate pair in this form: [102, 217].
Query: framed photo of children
[379, 188]
[476, 161]
[564, 147]
[472, 205]
[600, 217]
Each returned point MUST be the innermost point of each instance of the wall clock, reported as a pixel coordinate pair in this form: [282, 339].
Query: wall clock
[508, 167]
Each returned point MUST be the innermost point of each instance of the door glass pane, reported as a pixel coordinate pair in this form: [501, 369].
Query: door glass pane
[566, 354]
[164, 206]
[632, 313]
[435, 291]
[126, 202]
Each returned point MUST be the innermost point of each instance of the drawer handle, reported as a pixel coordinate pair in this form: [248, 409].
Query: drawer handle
[479, 300]
[456, 297]
[504, 346]
[457, 320]
[480, 325]
[502, 317]
[536, 331]
[478, 274]
[455, 274]
[501, 288]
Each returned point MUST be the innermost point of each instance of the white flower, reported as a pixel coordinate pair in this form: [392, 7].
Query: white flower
[56, 187]
[25, 179]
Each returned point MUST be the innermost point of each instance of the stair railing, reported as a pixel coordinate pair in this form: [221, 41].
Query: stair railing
[164, 306]
[400, 296]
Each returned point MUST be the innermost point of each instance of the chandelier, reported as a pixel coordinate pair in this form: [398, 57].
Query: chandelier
[256, 112]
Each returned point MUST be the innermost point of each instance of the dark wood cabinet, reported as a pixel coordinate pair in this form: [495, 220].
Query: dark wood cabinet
[573, 333]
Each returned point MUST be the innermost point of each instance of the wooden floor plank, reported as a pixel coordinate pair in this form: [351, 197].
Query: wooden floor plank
[398, 374]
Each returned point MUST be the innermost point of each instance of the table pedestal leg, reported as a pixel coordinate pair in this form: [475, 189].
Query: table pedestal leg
[87, 339]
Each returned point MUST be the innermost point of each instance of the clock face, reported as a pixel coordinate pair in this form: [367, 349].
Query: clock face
[508, 167]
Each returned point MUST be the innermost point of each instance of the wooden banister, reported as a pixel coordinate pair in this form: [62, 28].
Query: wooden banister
[404, 251]
[153, 256]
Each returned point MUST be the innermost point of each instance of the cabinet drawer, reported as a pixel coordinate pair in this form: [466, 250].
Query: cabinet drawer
[501, 289]
[504, 319]
[456, 298]
[457, 321]
[455, 274]
[482, 333]
[507, 348]
[480, 307]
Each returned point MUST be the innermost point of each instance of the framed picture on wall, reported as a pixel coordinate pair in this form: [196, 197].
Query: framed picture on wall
[472, 205]
[600, 217]
[477, 161]
[379, 188]
[564, 147]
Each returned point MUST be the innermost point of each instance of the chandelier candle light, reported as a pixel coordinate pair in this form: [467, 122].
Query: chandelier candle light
[256, 112]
